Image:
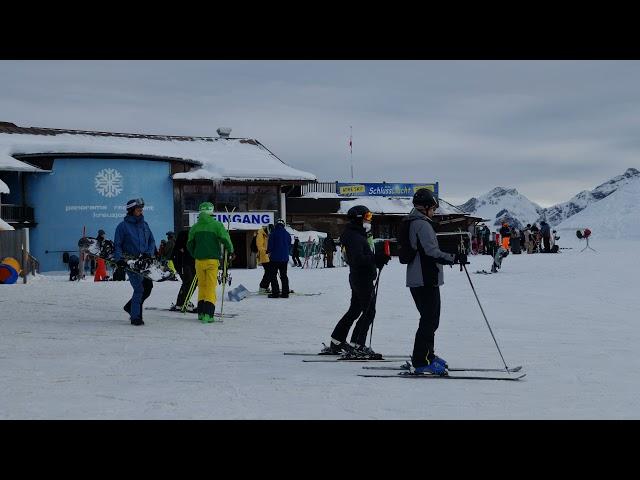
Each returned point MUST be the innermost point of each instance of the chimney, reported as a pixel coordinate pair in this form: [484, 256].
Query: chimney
[224, 132]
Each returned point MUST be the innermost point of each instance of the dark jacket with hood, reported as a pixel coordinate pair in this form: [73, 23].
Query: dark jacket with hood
[279, 244]
[182, 258]
[360, 257]
[133, 237]
[545, 229]
[426, 268]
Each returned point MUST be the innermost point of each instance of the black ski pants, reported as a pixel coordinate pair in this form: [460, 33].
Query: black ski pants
[187, 274]
[547, 244]
[427, 300]
[275, 268]
[296, 260]
[363, 306]
[266, 276]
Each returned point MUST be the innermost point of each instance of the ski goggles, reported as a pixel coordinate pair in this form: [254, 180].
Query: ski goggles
[367, 216]
[136, 203]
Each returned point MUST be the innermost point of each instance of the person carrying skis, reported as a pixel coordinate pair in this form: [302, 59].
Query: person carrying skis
[262, 239]
[133, 237]
[278, 250]
[362, 275]
[424, 278]
[203, 244]
[185, 265]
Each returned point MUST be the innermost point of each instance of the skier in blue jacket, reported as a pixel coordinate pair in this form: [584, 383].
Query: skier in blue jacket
[133, 238]
[278, 248]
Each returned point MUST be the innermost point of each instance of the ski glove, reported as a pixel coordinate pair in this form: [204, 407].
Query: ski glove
[122, 263]
[381, 260]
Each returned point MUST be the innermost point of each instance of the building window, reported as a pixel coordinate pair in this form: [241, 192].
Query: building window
[194, 195]
[263, 198]
[230, 196]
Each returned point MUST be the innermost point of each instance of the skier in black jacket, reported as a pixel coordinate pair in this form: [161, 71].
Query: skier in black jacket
[362, 275]
[185, 265]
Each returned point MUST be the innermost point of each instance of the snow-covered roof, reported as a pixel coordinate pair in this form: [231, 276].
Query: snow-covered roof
[3, 187]
[392, 205]
[217, 158]
[5, 226]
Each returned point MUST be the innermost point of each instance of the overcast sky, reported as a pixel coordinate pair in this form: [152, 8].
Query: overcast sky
[546, 128]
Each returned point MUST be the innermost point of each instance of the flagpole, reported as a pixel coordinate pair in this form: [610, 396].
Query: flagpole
[351, 149]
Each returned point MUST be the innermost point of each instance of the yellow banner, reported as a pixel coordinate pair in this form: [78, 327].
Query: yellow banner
[351, 189]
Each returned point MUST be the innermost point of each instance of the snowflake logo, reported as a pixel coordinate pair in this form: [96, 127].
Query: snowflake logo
[109, 182]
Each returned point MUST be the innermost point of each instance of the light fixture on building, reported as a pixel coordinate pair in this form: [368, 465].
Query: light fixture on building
[224, 132]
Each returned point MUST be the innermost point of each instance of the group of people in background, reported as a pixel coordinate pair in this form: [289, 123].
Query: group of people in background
[272, 245]
[531, 239]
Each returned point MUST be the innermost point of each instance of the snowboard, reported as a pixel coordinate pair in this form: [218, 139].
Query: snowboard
[150, 268]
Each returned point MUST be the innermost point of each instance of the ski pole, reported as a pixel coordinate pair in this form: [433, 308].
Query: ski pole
[225, 264]
[462, 249]
[372, 300]
[192, 289]
[485, 318]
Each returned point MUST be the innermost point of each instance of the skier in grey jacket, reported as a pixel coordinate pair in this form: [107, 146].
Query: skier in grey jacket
[424, 277]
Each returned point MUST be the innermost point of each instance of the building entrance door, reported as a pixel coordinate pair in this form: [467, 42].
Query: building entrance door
[239, 240]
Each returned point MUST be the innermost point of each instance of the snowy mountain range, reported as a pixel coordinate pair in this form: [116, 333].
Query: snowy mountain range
[615, 216]
[503, 205]
[506, 204]
[560, 212]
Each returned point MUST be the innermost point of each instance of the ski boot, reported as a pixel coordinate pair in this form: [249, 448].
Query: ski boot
[175, 308]
[137, 321]
[441, 361]
[433, 368]
[366, 353]
[334, 348]
[206, 318]
[264, 291]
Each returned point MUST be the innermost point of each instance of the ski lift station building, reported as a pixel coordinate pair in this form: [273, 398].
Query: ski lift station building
[62, 184]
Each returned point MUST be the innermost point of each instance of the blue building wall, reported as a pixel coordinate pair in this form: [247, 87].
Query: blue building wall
[92, 193]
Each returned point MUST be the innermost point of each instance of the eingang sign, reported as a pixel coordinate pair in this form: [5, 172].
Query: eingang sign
[384, 189]
[239, 220]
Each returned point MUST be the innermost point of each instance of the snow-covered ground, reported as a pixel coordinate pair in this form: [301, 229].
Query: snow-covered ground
[67, 350]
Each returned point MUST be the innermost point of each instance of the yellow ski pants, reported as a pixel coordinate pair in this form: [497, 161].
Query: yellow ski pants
[207, 272]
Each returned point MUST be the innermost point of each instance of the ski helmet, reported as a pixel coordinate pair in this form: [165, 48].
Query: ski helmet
[359, 212]
[101, 232]
[206, 207]
[280, 221]
[134, 203]
[424, 198]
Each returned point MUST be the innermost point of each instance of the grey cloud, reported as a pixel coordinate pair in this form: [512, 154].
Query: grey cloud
[547, 128]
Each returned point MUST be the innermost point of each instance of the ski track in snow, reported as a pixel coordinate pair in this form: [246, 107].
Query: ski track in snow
[67, 349]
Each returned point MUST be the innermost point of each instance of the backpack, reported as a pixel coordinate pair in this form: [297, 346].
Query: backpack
[406, 253]
[254, 245]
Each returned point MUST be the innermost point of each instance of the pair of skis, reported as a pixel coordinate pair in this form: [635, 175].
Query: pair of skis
[225, 275]
[216, 314]
[406, 371]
